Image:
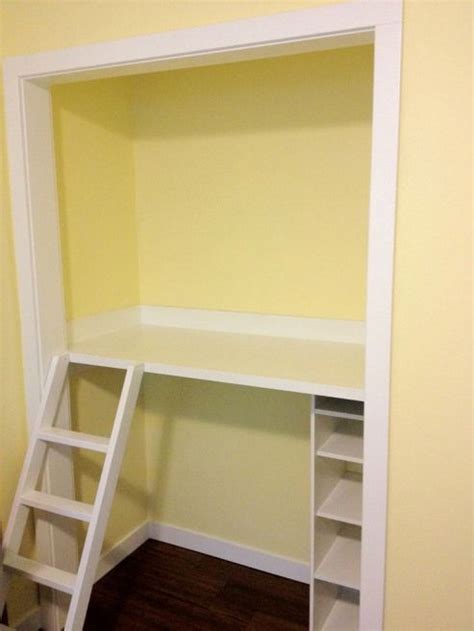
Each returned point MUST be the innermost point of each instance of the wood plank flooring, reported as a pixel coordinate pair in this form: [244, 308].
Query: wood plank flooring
[161, 586]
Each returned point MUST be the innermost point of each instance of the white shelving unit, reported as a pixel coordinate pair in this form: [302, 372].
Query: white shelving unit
[337, 458]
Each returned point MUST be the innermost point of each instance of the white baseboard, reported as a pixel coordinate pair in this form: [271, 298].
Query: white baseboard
[122, 549]
[349, 331]
[229, 551]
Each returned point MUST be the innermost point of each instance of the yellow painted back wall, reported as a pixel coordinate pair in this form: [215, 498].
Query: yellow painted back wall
[429, 535]
[252, 185]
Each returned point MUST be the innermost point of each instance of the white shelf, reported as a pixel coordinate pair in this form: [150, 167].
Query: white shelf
[344, 616]
[340, 408]
[341, 565]
[345, 502]
[334, 369]
[343, 445]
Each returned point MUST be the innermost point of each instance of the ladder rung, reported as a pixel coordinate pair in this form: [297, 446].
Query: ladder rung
[57, 505]
[40, 573]
[74, 439]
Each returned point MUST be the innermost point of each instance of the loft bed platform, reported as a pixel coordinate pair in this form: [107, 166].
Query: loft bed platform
[243, 355]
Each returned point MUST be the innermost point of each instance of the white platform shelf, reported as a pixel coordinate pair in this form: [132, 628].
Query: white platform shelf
[344, 616]
[341, 565]
[344, 503]
[334, 369]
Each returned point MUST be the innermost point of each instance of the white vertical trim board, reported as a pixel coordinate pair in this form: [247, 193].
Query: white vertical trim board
[230, 551]
[379, 321]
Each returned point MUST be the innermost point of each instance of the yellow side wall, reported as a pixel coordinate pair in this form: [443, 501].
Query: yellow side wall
[92, 128]
[252, 185]
[429, 537]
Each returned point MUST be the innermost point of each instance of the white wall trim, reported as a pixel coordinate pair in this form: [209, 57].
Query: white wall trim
[122, 549]
[350, 331]
[230, 551]
[345, 331]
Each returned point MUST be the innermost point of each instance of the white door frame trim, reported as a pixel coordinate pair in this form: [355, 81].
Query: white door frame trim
[35, 216]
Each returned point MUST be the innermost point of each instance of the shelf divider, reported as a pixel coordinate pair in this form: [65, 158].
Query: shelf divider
[341, 565]
[342, 445]
[344, 503]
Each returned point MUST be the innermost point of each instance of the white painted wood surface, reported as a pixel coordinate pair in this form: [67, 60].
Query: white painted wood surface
[344, 616]
[344, 503]
[313, 329]
[343, 445]
[57, 505]
[383, 194]
[341, 565]
[323, 330]
[281, 34]
[40, 573]
[74, 439]
[332, 369]
[312, 509]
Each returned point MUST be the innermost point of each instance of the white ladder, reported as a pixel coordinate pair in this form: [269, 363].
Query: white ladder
[79, 585]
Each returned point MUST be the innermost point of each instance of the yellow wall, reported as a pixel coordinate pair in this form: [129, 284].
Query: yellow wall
[230, 462]
[239, 205]
[98, 232]
[428, 571]
[252, 184]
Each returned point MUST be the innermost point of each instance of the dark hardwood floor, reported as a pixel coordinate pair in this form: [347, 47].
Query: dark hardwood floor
[161, 586]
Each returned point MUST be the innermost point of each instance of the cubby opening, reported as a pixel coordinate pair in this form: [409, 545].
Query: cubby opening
[241, 187]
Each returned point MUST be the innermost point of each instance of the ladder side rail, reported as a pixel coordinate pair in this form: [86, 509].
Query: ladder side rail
[36, 450]
[32, 464]
[104, 498]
